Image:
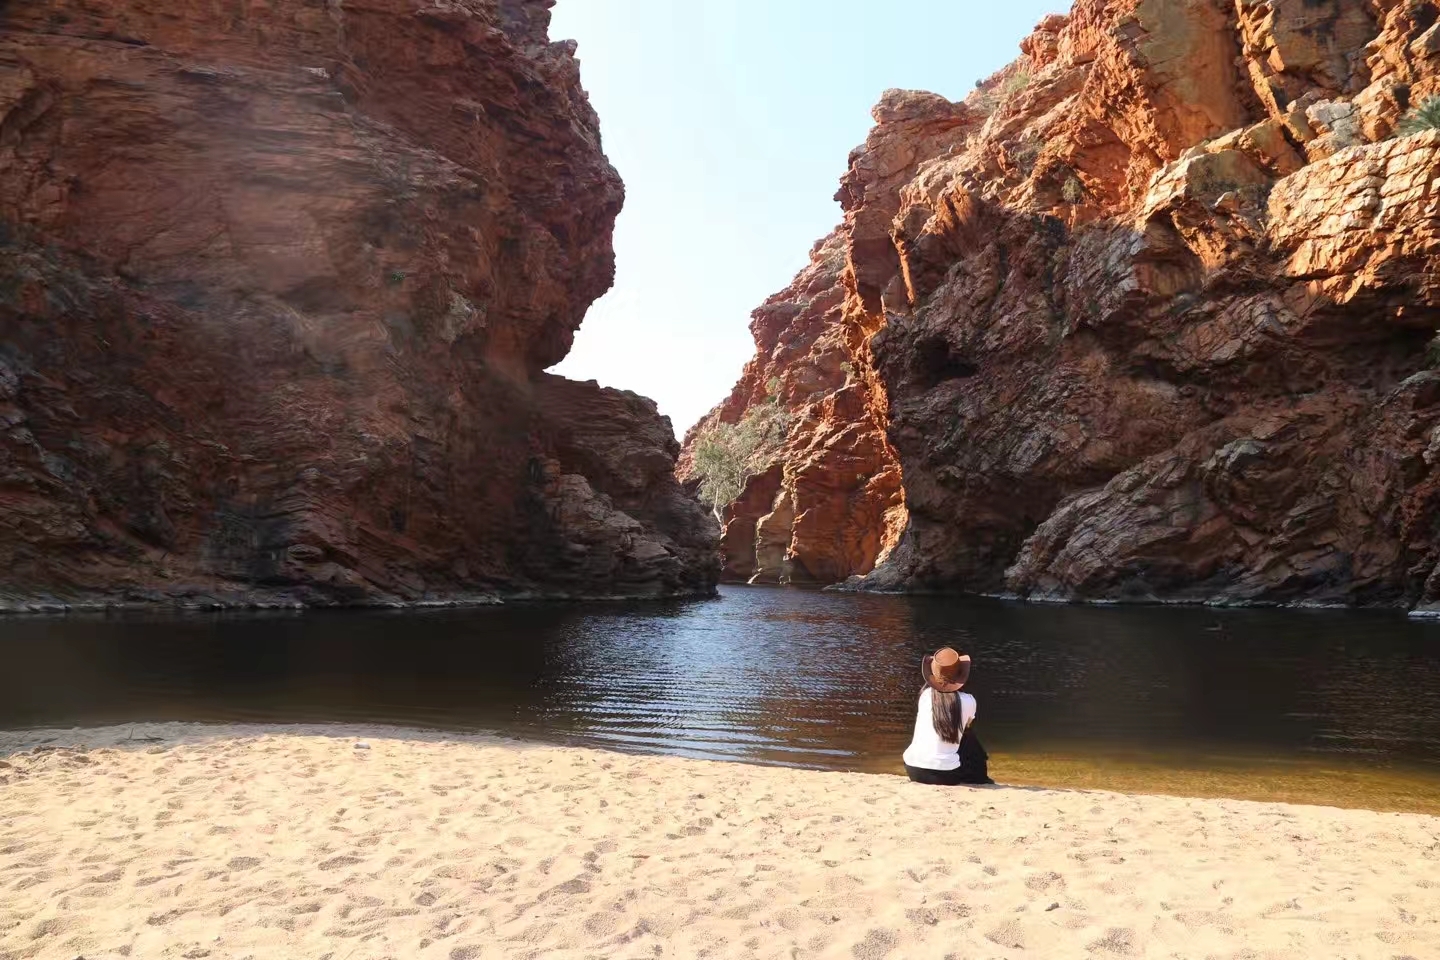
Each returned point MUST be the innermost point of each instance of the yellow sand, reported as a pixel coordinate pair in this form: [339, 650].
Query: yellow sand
[234, 842]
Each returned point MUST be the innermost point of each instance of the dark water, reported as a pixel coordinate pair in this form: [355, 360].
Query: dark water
[767, 675]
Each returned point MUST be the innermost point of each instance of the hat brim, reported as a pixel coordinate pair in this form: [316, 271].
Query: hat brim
[935, 683]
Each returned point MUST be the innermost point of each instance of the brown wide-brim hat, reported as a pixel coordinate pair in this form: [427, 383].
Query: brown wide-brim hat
[946, 670]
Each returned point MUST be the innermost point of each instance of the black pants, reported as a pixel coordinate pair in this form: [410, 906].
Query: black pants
[946, 778]
[974, 765]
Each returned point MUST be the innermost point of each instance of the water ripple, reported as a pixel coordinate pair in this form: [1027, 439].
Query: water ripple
[777, 676]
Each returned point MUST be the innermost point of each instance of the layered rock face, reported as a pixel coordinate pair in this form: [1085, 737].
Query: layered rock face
[1151, 312]
[277, 288]
[830, 504]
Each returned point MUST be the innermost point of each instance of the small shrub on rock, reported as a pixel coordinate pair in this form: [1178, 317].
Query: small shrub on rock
[1424, 116]
[1072, 191]
[726, 455]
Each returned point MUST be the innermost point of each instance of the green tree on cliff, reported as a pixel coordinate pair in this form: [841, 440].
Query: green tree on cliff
[726, 455]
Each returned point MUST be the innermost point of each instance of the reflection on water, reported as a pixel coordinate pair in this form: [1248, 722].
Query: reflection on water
[771, 675]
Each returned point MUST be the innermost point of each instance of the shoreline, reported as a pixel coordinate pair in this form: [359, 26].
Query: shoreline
[248, 841]
[1304, 781]
[1423, 612]
[62, 608]
[1309, 781]
[51, 606]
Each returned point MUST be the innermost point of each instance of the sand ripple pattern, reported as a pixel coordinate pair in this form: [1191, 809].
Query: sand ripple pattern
[250, 842]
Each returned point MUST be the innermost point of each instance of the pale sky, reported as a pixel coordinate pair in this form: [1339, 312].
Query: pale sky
[730, 122]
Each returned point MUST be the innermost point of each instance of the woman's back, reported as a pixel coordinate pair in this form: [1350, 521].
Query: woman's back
[927, 749]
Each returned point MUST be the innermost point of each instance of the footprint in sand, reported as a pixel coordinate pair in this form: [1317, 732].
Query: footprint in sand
[335, 863]
[52, 927]
[600, 924]
[876, 944]
[1116, 940]
[932, 916]
[1043, 882]
[1009, 934]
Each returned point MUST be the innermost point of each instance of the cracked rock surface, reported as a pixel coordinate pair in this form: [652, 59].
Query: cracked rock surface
[277, 292]
[1148, 316]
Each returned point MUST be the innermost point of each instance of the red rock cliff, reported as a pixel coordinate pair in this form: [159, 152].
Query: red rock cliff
[277, 288]
[1151, 314]
[830, 504]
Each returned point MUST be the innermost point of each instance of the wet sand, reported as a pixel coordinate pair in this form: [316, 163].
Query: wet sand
[233, 842]
[1310, 780]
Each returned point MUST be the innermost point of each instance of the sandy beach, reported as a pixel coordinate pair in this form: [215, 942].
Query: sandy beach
[360, 843]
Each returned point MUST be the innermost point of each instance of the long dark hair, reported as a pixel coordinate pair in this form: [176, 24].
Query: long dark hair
[945, 713]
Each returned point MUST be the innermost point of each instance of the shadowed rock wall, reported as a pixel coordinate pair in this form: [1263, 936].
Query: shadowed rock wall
[277, 288]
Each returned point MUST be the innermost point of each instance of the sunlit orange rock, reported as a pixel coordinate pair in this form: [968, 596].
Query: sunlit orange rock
[823, 511]
[1151, 314]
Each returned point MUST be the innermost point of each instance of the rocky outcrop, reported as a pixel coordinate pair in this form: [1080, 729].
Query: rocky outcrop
[1152, 311]
[830, 504]
[276, 294]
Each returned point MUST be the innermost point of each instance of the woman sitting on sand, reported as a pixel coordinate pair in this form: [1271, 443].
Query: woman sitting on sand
[944, 750]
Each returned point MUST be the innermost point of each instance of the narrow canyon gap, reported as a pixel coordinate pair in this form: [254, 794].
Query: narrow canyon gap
[1150, 315]
[277, 291]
